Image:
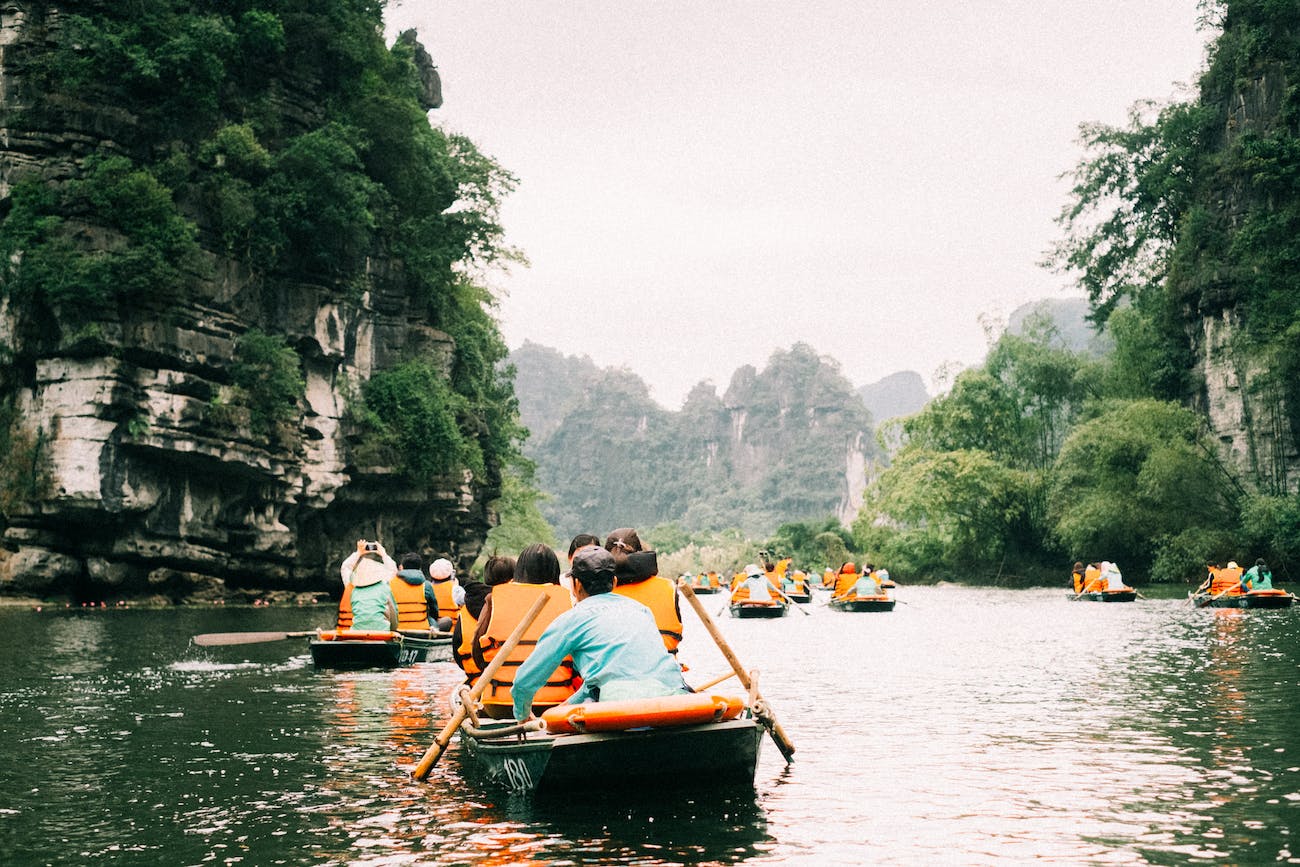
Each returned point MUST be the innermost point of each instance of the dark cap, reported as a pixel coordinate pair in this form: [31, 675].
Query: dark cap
[592, 562]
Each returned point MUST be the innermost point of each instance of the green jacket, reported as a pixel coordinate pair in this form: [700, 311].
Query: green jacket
[373, 607]
[1254, 579]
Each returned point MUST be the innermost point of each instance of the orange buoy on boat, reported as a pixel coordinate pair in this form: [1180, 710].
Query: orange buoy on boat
[661, 712]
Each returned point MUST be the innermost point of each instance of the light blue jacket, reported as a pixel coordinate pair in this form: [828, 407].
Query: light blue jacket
[613, 641]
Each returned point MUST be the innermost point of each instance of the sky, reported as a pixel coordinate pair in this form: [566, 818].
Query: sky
[702, 183]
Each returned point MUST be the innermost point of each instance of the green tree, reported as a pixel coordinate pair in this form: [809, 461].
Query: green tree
[1132, 479]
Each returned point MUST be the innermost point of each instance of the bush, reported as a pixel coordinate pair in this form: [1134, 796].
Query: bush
[268, 380]
[411, 412]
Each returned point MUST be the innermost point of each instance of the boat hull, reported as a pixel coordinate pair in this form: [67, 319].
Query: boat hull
[862, 604]
[704, 591]
[1106, 596]
[392, 653]
[1256, 599]
[801, 598]
[753, 610]
[711, 754]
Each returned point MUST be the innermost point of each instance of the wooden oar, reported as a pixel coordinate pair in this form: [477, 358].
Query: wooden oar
[797, 606]
[439, 745]
[710, 684]
[221, 639]
[770, 723]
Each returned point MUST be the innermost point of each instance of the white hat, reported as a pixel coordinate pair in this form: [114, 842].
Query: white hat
[1232, 564]
[752, 569]
[369, 571]
[441, 568]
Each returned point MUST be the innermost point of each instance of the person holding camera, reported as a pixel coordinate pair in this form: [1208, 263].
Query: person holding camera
[368, 602]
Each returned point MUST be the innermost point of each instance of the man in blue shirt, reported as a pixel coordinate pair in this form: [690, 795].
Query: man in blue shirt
[613, 640]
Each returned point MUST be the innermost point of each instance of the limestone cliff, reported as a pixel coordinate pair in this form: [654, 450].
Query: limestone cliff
[1245, 371]
[155, 479]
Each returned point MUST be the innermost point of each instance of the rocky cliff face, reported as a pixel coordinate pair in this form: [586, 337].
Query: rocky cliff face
[155, 486]
[1248, 410]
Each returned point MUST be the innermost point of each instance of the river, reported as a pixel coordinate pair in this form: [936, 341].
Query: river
[968, 726]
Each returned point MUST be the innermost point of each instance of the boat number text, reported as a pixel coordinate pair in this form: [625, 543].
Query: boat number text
[407, 657]
[517, 774]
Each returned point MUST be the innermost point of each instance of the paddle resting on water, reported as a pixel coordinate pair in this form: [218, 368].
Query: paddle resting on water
[767, 718]
[439, 745]
[225, 639]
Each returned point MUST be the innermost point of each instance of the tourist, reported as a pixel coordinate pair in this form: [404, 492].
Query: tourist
[537, 572]
[413, 593]
[497, 570]
[1077, 574]
[1257, 577]
[612, 640]
[577, 543]
[637, 572]
[368, 603]
[446, 591]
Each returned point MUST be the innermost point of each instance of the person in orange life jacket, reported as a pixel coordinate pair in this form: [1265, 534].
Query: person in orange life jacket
[1077, 574]
[536, 564]
[367, 596]
[612, 640]
[497, 570]
[637, 572]
[414, 607]
[447, 591]
[580, 541]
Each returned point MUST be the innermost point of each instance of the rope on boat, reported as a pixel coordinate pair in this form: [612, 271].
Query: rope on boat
[533, 725]
[467, 701]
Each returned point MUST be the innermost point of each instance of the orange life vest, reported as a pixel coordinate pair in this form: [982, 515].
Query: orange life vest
[1092, 580]
[442, 592]
[412, 609]
[463, 653]
[660, 596]
[510, 602]
[1078, 582]
[345, 608]
[845, 582]
[1225, 579]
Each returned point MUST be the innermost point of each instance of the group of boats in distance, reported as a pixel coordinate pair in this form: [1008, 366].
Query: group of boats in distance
[770, 589]
[1226, 587]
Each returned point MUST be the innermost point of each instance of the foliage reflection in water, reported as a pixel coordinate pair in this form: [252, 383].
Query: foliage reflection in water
[967, 726]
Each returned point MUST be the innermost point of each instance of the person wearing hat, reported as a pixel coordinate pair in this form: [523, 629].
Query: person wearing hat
[368, 602]
[448, 595]
[613, 640]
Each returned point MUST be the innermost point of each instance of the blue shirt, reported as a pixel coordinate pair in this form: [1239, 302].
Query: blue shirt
[611, 638]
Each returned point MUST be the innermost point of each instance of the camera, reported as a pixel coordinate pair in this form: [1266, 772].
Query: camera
[372, 546]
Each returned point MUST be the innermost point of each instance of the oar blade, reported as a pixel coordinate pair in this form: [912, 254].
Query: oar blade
[223, 639]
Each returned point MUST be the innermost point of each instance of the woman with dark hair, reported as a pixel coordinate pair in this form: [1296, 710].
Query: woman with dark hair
[497, 570]
[537, 572]
[580, 541]
[637, 571]
[537, 564]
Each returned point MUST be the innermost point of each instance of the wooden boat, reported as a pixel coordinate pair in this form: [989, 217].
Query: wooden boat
[352, 649]
[750, 608]
[1125, 595]
[1249, 599]
[689, 740]
[862, 603]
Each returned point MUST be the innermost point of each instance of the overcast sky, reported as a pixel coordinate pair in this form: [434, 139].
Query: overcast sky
[703, 182]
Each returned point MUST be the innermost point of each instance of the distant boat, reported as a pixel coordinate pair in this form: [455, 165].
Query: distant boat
[1128, 594]
[758, 608]
[853, 602]
[1249, 599]
[353, 649]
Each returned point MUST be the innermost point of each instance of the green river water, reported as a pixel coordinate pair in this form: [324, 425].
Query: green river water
[968, 726]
